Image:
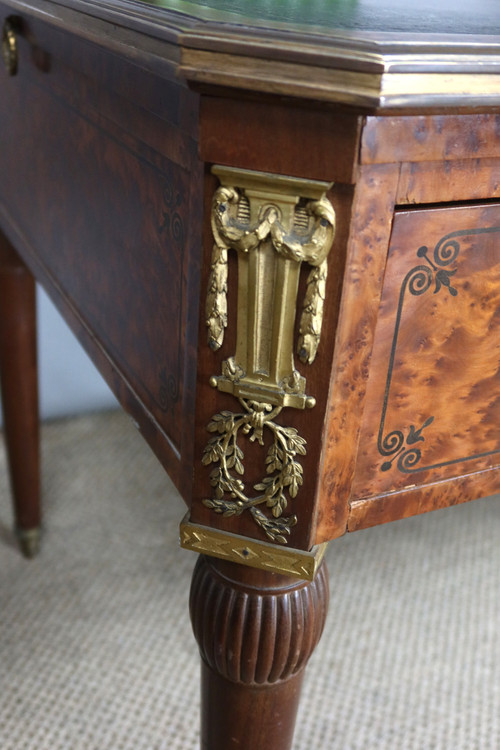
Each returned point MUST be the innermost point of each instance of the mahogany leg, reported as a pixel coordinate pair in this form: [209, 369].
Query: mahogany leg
[256, 631]
[19, 384]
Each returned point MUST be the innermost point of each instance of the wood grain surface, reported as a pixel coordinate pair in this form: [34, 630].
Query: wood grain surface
[432, 405]
[255, 631]
[19, 384]
[107, 193]
[315, 143]
[440, 182]
[105, 203]
[420, 138]
[366, 241]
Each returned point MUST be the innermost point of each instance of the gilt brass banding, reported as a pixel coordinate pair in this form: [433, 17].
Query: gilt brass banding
[255, 554]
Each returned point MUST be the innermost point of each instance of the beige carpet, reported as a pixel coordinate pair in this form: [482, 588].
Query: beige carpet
[96, 652]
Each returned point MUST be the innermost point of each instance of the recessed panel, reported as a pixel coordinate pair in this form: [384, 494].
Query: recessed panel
[433, 398]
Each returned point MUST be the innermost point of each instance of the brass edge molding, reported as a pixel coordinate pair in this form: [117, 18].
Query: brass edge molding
[420, 84]
[255, 554]
[274, 223]
[287, 78]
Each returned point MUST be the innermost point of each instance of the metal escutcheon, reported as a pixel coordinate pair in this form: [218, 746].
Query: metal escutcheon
[9, 47]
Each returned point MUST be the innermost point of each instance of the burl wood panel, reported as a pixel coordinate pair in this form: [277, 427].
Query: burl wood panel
[366, 242]
[112, 227]
[443, 182]
[430, 138]
[432, 409]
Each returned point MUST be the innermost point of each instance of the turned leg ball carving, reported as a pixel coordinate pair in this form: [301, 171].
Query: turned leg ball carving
[255, 627]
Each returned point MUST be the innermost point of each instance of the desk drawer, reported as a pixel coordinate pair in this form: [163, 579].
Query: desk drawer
[432, 413]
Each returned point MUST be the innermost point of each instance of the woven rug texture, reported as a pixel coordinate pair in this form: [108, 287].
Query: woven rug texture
[96, 650]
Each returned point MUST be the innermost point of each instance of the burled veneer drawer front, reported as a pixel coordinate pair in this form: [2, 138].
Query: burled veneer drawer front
[101, 177]
[431, 425]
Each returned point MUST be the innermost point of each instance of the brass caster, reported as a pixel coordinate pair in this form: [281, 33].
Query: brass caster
[29, 541]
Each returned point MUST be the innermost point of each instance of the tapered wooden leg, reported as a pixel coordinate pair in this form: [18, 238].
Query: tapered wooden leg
[18, 377]
[256, 631]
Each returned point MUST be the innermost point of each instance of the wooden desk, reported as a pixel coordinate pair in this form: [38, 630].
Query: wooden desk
[317, 189]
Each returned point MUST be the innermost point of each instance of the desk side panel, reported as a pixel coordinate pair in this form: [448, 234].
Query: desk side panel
[102, 198]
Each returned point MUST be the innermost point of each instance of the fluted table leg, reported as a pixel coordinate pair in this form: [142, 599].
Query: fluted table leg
[256, 631]
[18, 377]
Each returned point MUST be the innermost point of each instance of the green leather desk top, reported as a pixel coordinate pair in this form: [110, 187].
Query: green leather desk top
[391, 16]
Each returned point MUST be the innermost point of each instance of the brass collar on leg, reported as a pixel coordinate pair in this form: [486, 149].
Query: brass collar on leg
[251, 552]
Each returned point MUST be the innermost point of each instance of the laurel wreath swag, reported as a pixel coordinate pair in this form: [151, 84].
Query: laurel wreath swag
[283, 470]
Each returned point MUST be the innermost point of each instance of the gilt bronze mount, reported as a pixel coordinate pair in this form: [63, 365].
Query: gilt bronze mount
[251, 552]
[275, 224]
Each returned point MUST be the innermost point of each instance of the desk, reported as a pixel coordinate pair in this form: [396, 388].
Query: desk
[278, 237]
